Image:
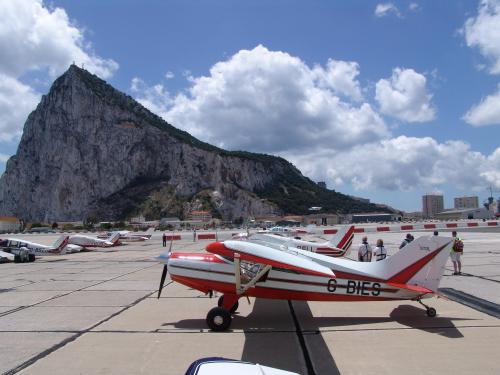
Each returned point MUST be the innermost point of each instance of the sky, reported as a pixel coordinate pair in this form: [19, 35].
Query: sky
[382, 100]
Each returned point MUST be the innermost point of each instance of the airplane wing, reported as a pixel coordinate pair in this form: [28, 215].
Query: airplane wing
[258, 253]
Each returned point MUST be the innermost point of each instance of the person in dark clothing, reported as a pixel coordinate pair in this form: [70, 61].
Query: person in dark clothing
[406, 241]
[164, 238]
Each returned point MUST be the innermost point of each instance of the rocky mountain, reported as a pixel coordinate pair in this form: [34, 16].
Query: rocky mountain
[88, 150]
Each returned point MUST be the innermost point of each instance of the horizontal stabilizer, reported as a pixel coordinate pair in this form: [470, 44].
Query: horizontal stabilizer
[258, 253]
[413, 288]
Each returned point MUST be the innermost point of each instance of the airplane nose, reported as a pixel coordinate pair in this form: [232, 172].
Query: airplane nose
[163, 258]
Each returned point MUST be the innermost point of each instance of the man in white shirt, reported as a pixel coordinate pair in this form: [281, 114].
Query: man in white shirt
[365, 251]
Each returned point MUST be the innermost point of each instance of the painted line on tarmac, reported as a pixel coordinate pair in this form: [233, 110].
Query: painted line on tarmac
[474, 302]
[73, 291]
[302, 341]
[63, 343]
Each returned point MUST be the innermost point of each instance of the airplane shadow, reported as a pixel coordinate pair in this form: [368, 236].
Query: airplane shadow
[300, 347]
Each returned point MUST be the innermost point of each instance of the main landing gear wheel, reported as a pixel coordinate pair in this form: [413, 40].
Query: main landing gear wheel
[218, 319]
[431, 312]
[233, 309]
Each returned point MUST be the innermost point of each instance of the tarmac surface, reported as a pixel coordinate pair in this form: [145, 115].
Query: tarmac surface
[97, 312]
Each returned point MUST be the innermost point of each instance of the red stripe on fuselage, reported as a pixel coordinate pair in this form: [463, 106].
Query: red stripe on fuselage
[273, 293]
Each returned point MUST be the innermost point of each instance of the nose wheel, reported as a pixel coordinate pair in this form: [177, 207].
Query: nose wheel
[431, 311]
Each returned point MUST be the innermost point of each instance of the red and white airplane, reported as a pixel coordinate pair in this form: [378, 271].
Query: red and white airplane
[129, 236]
[78, 242]
[241, 268]
[337, 246]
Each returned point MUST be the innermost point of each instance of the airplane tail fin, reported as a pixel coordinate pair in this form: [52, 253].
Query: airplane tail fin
[343, 238]
[60, 245]
[150, 232]
[114, 238]
[420, 263]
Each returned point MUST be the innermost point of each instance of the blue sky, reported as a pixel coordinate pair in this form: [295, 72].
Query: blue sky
[385, 100]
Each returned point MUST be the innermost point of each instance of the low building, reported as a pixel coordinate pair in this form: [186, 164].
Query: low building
[203, 216]
[321, 219]
[172, 221]
[467, 213]
[416, 215]
[9, 224]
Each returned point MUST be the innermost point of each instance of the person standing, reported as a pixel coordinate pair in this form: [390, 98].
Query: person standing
[456, 253]
[164, 238]
[380, 253]
[365, 251]
[406, 241]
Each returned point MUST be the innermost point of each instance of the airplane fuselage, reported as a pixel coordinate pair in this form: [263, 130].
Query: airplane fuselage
[206, 272]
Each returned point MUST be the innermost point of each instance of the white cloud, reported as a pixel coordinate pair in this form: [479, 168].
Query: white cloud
[403, 164]
[16, 101]
[155, 98]
[385, 9]
[33, 37]
[492, 173]
[169, 75]
[414, 7]
[340, 76]
[4, 158]
[270, 101]
[404, 96]
[485, 113]
[483, 32]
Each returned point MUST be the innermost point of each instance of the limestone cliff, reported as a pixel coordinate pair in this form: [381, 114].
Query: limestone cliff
[90, 150]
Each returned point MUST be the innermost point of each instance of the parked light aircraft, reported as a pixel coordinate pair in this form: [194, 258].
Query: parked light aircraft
[60, 246]
[84, 242]
[337, 246]
[129, 236]
[241, 268]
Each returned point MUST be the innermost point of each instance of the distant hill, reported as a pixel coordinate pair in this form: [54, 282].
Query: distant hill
[90, 151]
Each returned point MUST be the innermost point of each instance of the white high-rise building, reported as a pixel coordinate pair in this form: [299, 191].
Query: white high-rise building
[466, 202]
[431, 205]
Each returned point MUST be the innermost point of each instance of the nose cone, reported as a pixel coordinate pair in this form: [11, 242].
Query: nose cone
[163, 258]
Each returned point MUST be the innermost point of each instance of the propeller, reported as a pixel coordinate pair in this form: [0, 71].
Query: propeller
[162, 281]
[164, 258]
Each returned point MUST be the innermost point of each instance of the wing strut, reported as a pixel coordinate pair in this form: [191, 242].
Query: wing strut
[240, 289]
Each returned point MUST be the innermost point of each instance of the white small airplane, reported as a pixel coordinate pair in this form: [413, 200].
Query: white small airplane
[86, 242]
[242, 268]
[337, 246]
[60, 246]
[129, 236]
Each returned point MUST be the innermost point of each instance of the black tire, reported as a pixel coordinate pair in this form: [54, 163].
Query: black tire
[431, 312]
[233, 309]
[17, 259]
[31, 257]
[218, 319]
